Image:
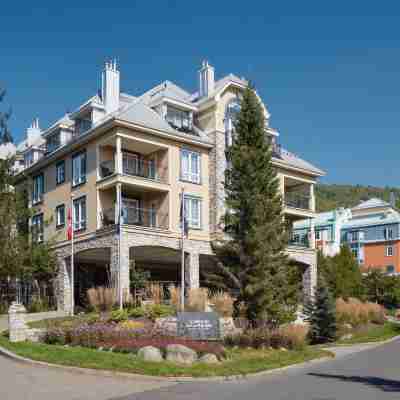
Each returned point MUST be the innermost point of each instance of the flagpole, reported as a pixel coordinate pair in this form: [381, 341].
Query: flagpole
[119, 248]
[72, 257]
[183, 251]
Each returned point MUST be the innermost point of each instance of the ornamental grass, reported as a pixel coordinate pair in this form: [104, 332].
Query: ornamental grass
[357, 313]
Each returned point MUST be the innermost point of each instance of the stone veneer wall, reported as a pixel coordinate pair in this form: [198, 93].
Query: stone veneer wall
[130, 238]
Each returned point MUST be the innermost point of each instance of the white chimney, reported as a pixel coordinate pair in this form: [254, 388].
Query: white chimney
[206, 79]
[110, 87]
[33, 132]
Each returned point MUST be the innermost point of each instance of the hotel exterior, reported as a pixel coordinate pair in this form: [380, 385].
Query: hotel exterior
[371, 229]
[145, 150]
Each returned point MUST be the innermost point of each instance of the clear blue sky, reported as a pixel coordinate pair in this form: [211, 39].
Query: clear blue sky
[329, 73]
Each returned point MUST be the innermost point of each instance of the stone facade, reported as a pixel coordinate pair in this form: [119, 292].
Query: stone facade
[16, 323]
[129, 239]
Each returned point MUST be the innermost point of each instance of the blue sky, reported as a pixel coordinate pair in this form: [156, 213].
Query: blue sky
[329, 74]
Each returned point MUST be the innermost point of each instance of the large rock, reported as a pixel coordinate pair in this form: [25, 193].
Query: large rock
[150, 353]
[209, 359]
[180, 354]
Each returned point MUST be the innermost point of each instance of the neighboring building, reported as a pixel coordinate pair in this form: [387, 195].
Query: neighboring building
[371, 229]
[145, 150]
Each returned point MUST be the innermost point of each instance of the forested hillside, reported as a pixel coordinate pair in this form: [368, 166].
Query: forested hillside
[333, 196]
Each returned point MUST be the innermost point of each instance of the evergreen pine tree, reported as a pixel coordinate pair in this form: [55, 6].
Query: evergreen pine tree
[5, 134]
[254, 259]
[321, 314]
[347, 274]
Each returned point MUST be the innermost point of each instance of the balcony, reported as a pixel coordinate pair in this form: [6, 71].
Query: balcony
[297, 200]
[134, 165]
[136, 216]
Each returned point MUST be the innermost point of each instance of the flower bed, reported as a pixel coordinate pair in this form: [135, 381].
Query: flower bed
[120, 337]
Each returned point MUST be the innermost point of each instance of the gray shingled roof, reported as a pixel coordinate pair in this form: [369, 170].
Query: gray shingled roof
[166, 89]
[294, 161]
[139, 113]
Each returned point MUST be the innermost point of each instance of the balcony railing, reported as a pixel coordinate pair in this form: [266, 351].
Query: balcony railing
[297, 200]
[146, 217]
[135, 166]
[149, 169]
[299, 240]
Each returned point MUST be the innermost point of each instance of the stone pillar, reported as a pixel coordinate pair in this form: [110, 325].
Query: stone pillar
[192, 271]
[124, 263]
[16, 322]
[309, 281]
[64, 285]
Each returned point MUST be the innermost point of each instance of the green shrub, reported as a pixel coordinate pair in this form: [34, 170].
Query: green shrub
[137, 312]
[119, 315]
[155, 311]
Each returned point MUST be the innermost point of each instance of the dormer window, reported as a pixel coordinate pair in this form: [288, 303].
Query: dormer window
[82, 125]
[53, 142]
[179, 119]
[231, 113]
[28, 158]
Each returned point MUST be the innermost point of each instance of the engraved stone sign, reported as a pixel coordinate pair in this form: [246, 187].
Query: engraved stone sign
[198, 325]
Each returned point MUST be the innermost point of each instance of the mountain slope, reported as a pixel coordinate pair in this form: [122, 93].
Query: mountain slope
[333, 196]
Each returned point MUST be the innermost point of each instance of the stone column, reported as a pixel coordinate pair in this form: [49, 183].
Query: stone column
[192, 274]
[16, 322]
[309, 281]
[64, 284]
[124, 263]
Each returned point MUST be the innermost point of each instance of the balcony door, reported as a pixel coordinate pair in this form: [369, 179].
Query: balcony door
[131, 211]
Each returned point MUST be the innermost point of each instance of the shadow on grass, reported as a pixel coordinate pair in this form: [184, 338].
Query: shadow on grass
[386, 385]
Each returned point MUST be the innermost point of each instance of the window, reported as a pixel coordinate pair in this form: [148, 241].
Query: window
[389, 251]
[354, 251]
[37, 228]
[79, 169]
[231, 113]
[53, 142]
[60, 172]
[353, 236]
[190, 166]
[80, 214]
[28, 159]
[318, 235]
[388, 233]
[38, 189]
[390, 269]
[179, 119]
[193, 211]
[60, 216]
[82, 125]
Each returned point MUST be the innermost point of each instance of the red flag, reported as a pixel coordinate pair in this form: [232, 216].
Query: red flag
[69, 229]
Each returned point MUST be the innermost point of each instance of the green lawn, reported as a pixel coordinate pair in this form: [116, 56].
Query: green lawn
[374, 334]
[240, 362]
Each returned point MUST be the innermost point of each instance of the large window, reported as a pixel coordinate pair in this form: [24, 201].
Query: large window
[193, 211]
[79, 169]
[80, 214]
[60, 216]
[60, 172]
[388, 233]
[231, 113]
[28, 158]
[37, 228]
[190, 166]
[38, 189]
[179, 119]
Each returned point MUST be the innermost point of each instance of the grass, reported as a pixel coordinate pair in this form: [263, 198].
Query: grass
[239, 362]
[375, 333]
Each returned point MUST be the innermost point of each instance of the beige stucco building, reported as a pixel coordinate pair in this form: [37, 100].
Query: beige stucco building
[121, 158]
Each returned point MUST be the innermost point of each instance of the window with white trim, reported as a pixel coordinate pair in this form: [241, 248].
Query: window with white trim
[79, 214]
[388, 233]
[37, 228]
[79, 169]
[190, 166]
[179, 119]
[38, 189]
[354, 251]
[193, 211]
[389, 251]
[60, 215]
[60, 172]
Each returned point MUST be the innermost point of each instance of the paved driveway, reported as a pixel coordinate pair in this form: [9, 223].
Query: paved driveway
[372, 374]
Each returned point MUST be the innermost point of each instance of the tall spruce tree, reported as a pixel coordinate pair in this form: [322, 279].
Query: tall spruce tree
[254, 259]
[321, 314]
[5, 134]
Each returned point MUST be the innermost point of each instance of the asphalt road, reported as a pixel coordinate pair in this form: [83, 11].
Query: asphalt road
[365, 375]
[372, 374]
